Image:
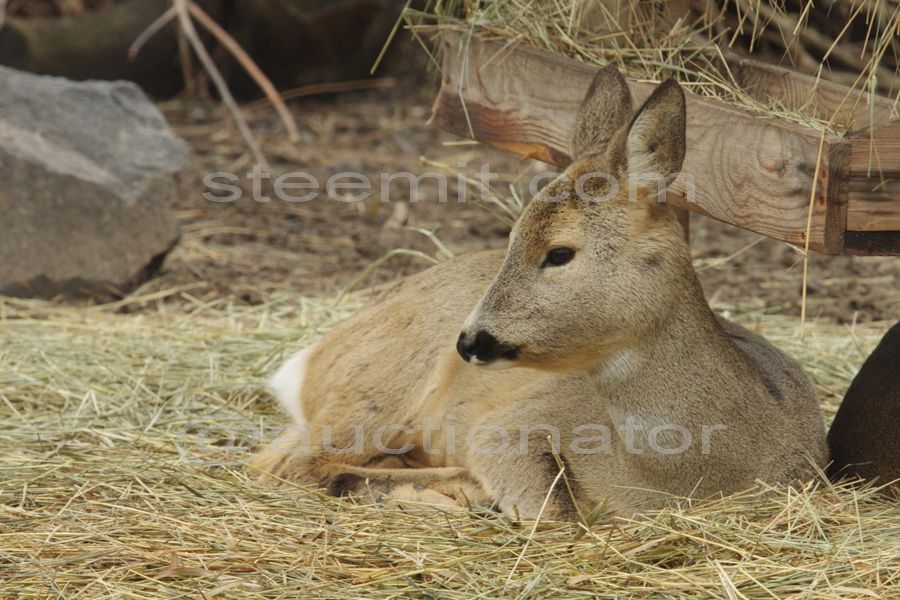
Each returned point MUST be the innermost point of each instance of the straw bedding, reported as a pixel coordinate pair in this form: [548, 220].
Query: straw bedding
[124, 430]
[856, 43]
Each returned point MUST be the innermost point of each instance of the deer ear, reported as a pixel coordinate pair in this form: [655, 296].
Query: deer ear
[655, 143]
[605, 109]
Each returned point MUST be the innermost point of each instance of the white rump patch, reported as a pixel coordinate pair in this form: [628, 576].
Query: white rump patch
[287, 382]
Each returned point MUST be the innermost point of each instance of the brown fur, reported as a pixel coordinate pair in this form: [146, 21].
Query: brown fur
[621, 332]
[864, 438]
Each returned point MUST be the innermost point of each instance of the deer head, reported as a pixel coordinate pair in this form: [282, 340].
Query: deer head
[596, 263]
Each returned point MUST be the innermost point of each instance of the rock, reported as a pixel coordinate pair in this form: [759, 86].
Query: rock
[85, 186]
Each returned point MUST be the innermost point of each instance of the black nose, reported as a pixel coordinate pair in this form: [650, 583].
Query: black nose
[482, 348]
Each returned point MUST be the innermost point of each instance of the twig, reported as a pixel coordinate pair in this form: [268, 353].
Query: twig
[730, 257]
[562, 467]
[184, 17]
[390, 39]
[329, 88]
[535, 526]
[152, 29]
[252, 69]
[809, 218]
[191, 84]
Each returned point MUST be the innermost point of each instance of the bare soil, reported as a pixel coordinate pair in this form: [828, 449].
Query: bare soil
[249, 249]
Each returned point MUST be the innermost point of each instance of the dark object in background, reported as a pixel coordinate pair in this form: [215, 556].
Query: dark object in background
[299, 42]
[295, 42]
[86, 171]
[865, 437]
[94, 45]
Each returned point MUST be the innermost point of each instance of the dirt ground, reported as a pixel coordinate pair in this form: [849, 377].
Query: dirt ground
[249, 249]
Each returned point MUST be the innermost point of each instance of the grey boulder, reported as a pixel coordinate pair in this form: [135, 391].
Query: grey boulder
[86, 186]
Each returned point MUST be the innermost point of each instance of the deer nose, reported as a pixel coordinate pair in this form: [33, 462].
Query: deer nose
[478, 349]
[482, 348]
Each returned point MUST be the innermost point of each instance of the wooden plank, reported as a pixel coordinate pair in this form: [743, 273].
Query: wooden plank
[749, 170]
[848, 108]
[836, 194]
[875, 202]
[873, 221]
[877, 243]
[875, 152]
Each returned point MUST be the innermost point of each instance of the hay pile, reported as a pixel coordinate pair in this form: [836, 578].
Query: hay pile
[855, 43]
[124, 428]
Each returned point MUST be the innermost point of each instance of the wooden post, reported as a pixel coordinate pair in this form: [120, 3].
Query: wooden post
[873, 181]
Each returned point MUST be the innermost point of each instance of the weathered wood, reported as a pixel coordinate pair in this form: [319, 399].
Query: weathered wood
[846, 107]
[875, 152]
[876, 243]
[749, 170]
[835, 183]
[874, 204]
[873, 224]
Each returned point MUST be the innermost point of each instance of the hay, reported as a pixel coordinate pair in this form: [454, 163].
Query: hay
[124, 437]
[853, 43]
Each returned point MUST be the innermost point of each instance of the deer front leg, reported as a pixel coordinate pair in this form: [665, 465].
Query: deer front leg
[366, 472]
[524, 472]
[434, 485]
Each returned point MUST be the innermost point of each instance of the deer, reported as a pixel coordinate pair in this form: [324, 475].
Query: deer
[580, 367]
[864, 440]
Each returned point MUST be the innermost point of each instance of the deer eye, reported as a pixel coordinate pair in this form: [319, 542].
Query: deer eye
[558, 256]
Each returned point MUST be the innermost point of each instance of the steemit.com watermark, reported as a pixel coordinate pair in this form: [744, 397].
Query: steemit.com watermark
[355, 186]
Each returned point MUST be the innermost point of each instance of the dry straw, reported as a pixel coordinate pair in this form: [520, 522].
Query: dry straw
[856, 43]
[124, 430]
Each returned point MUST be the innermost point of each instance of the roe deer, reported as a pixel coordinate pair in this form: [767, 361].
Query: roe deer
[624, 379]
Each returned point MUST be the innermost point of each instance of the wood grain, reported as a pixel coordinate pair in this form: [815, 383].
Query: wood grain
[875, 152]
[847, 108]
[875, 202]
[749, 170]
[837, 196]
[873, 223]
[872, 243]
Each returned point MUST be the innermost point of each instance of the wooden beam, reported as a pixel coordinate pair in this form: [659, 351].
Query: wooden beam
[875, 152]
[873, 243]
[875, 204]
[844, 106]
[873, 226]
[748, 169]
[836, 192]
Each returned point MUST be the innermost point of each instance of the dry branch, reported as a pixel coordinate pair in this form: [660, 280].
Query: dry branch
[252, 69]
[184, 17]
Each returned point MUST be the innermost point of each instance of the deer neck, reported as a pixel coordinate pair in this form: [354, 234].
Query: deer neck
[665, 361]
[686, 375]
